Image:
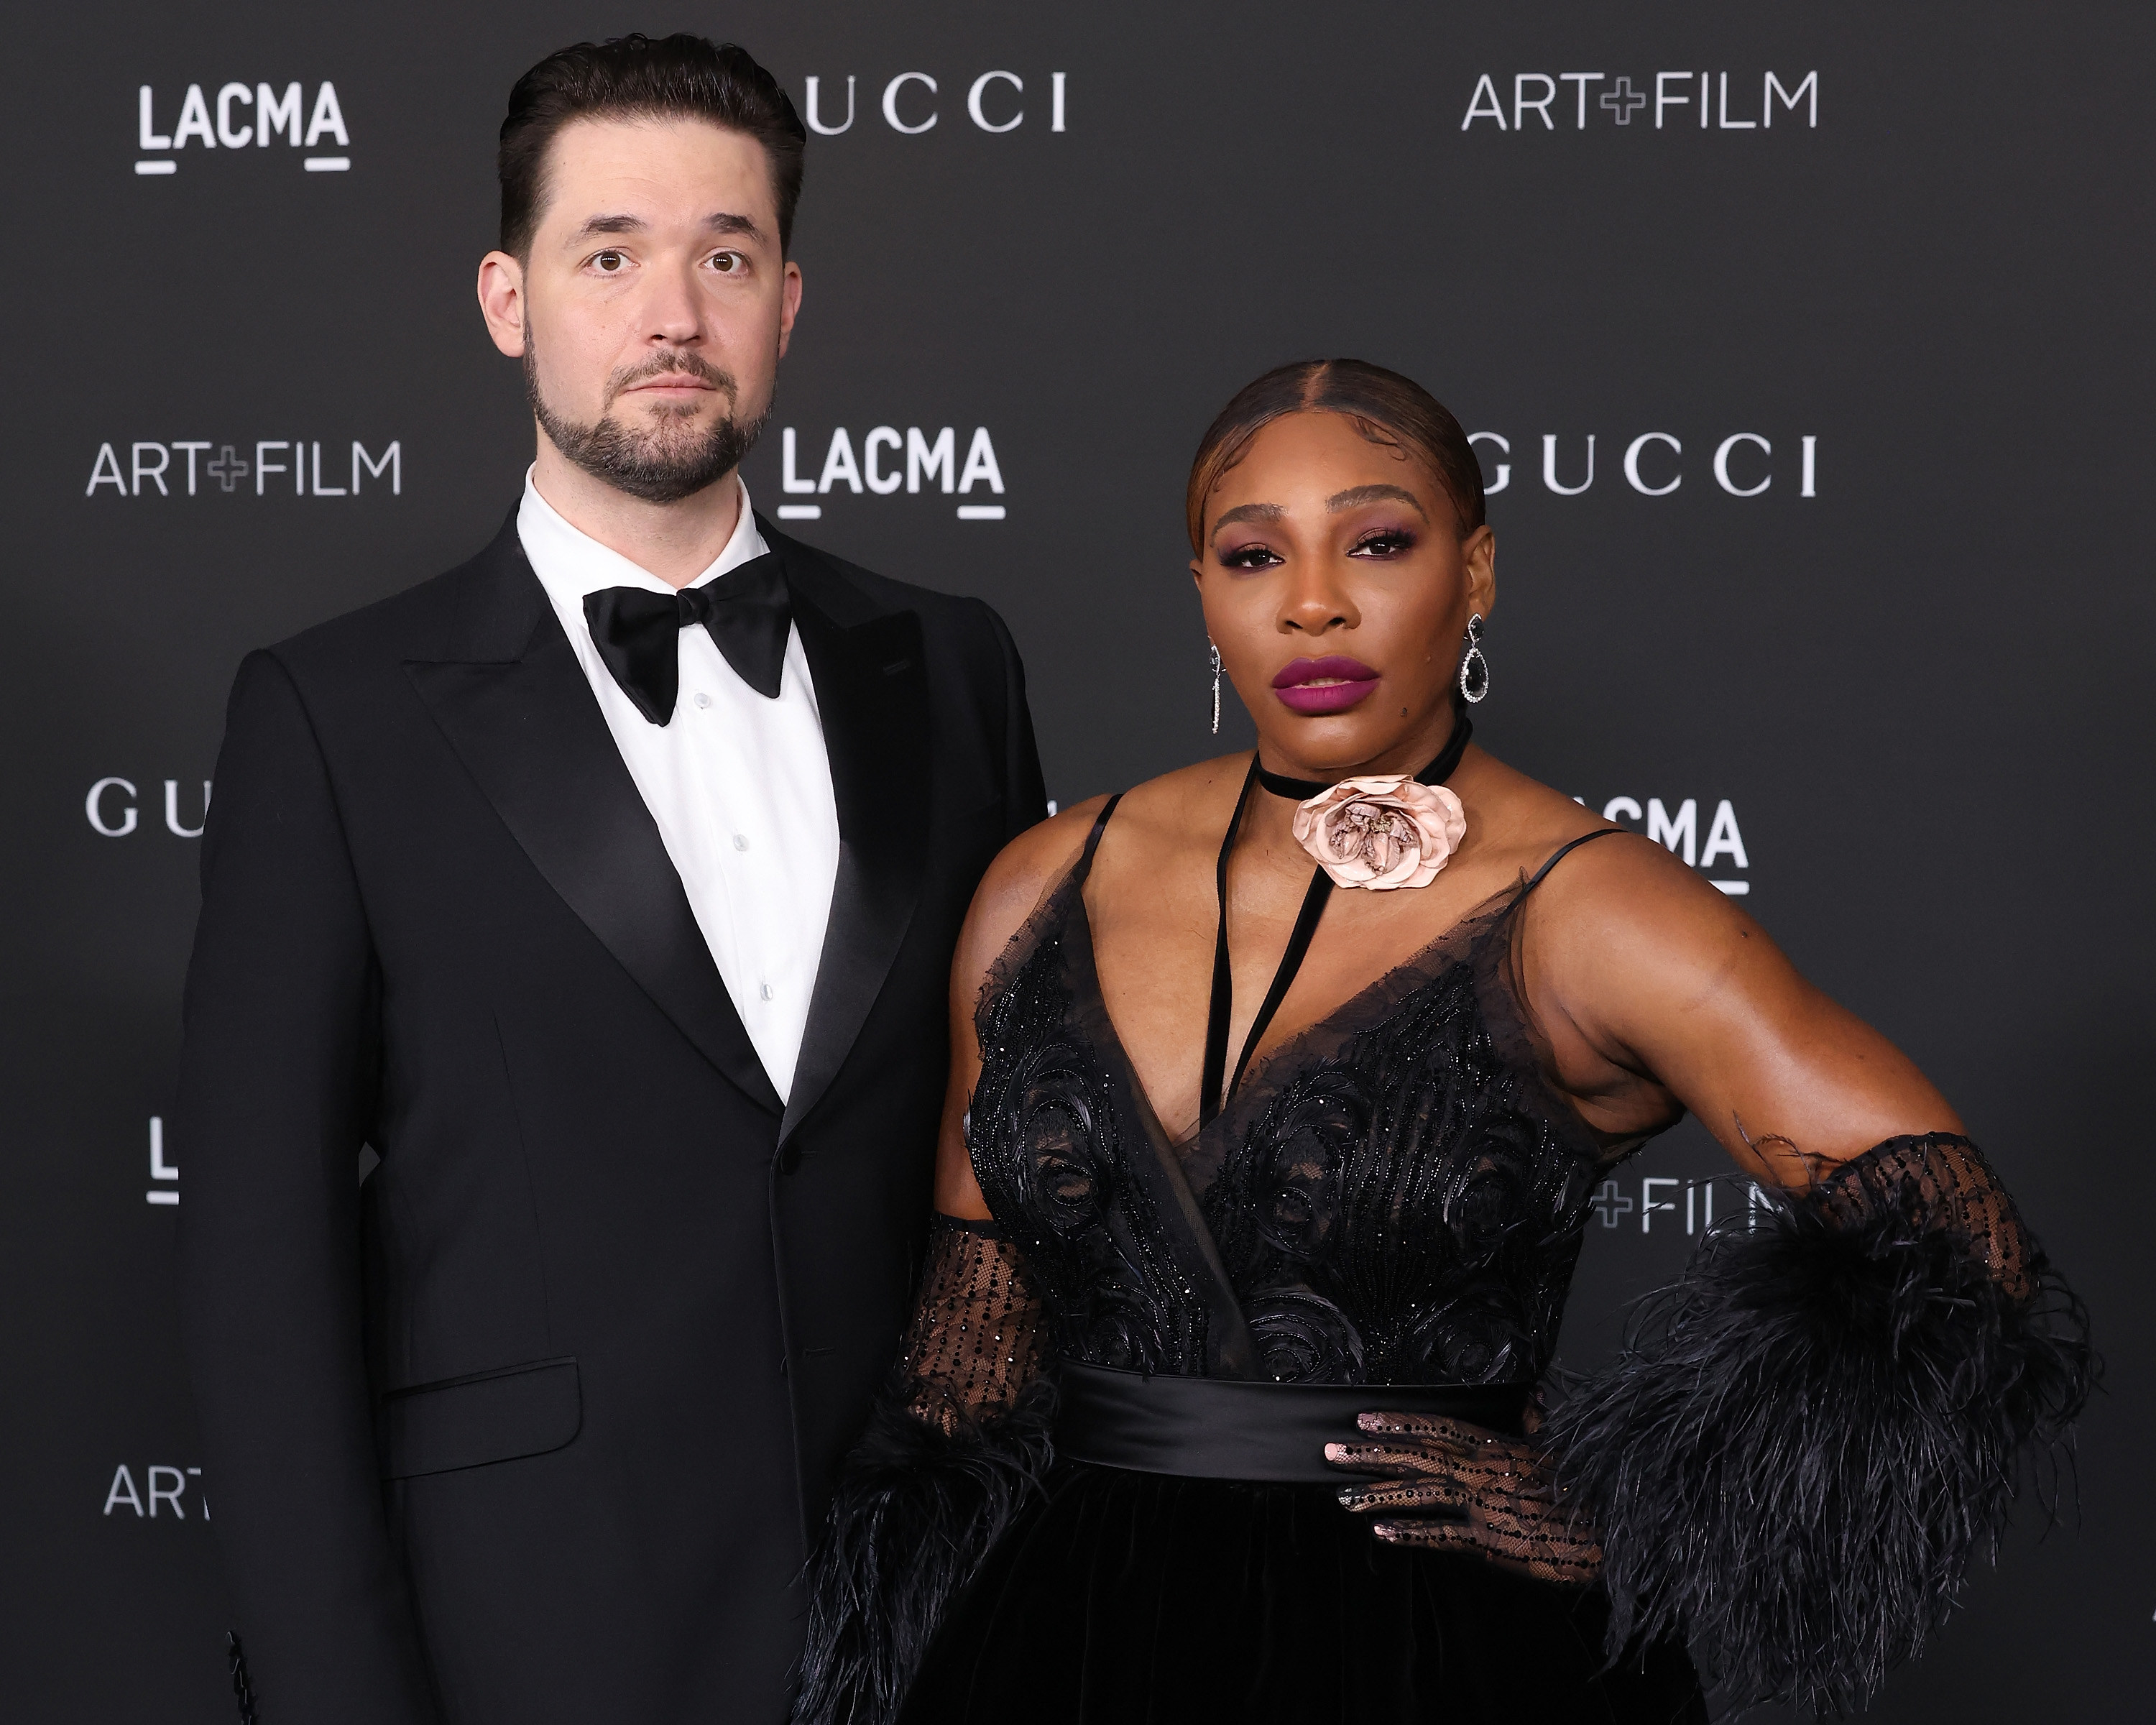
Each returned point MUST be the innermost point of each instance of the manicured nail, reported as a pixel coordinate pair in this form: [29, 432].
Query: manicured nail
[1387, 1532]
[1336, 1452]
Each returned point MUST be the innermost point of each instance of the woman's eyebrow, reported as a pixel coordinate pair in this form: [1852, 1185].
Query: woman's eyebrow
[1356, 495]
[1251, 512]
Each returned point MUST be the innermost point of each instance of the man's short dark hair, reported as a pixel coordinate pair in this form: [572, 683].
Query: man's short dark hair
[675, 77]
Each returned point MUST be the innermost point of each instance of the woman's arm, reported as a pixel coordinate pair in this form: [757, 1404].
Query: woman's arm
[1806, 1440]
[1651, 985]
[958, 1442]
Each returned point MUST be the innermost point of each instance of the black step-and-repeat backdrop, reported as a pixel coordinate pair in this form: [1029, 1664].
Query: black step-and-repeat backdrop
[1805, 349]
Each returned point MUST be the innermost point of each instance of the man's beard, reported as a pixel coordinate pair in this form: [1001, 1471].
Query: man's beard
[671, 458]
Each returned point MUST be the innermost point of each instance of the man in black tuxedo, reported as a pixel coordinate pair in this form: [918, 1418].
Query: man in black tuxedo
[605, 889]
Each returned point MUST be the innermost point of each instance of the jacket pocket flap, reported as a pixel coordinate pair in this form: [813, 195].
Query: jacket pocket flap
[489, 1416]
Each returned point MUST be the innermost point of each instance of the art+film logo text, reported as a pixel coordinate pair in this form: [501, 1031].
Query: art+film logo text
[304, 467]
[1575, 101]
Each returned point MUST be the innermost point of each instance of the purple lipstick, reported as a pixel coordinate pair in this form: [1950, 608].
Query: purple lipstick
[1316, 686]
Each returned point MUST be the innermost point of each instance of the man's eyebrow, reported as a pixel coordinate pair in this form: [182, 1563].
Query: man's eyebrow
[1356, 495]
[720, 221]
[1251, 512]
[611, 224]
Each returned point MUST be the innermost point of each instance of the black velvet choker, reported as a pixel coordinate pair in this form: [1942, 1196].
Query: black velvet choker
[1302, 790]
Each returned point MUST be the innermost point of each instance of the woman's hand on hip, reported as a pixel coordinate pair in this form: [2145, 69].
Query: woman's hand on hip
[1442, 1483]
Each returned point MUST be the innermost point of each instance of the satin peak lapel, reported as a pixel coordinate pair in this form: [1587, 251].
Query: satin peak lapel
[872, 692]
[532, 737]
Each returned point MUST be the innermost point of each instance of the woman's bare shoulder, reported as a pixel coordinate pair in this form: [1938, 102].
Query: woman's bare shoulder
[1624, 917]
[1025, 870]
[1519, 822]
[1150, 820]
[1190, 805]
[1629, 881]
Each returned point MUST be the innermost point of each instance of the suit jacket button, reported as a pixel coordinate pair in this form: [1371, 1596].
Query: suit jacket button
[788, 1159]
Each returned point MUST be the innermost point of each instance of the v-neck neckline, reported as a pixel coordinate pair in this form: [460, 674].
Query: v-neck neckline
[1179, 1145]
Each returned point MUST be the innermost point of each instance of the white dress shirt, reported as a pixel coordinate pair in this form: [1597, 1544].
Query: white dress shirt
[740, 786]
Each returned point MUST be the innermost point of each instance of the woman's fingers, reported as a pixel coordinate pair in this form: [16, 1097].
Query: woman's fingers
[1430, 1535]
[1408, 1496]
[1435, 1427]
[1409, 1458]
[1501, 1540]
[1443, 1484]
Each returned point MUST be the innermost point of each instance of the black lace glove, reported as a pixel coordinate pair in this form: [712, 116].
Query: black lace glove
[1447, 1485]
[1938, 1185]
[954, 1447]
[975, 1341]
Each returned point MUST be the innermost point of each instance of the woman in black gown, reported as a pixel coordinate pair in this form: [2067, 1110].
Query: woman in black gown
[1221, 1400]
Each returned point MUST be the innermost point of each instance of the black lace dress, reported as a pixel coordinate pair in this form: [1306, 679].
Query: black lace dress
[1392, 1203]
[1395, 1198]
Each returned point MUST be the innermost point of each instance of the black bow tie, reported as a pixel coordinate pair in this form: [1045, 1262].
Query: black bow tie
[638, 633]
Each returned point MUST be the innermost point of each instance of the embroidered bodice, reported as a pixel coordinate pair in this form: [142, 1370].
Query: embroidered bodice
[1396, 1195]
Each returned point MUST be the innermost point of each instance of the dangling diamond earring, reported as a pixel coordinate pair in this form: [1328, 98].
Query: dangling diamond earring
[1215, 652]
[1474, 668]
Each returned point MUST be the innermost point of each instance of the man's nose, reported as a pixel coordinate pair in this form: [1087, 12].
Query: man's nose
[673, 313]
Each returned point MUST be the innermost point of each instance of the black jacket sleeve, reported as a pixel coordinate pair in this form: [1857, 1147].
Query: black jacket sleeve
[1025, 797]
[277, 1088]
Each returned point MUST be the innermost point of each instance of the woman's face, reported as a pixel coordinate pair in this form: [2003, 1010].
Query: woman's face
[1338, 588]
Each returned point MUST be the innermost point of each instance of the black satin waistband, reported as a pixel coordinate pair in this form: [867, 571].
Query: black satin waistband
[1224, 1429]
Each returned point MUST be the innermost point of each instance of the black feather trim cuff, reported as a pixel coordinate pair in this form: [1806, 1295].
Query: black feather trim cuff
[916, 1510]
[1807, 1437]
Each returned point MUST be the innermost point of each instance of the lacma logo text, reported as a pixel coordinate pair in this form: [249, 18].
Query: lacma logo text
[246, 114]
[917, 462]
[167, 1194]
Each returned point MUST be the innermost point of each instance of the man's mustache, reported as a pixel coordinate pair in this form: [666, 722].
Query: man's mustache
[676, 363]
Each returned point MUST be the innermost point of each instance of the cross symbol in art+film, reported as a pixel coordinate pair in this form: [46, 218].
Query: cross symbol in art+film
[229, 468]
[1608, 1205]
[1624, 102]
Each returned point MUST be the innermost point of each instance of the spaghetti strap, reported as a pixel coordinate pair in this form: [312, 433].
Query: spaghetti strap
[1556, 857]
[1084, 864]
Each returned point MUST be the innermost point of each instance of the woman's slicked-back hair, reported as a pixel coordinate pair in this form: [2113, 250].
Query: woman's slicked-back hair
[670, 77]
[1383, 406]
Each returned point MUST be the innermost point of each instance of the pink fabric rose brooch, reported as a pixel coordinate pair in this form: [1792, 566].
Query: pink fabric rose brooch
[1381, 832]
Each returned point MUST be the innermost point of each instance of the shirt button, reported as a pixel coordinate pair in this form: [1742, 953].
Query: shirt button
[702, 699]
[740, 841]
[764, 989]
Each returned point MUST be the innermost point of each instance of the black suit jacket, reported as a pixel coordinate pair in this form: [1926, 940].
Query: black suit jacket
[536, 1423]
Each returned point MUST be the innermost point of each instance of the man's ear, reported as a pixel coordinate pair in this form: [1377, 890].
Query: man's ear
[790, 304]
[501, 301]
